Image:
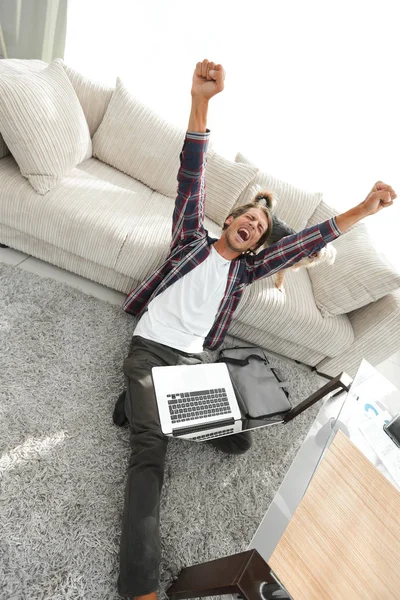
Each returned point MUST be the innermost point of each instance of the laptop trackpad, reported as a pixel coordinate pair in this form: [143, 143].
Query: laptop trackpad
[193, 379]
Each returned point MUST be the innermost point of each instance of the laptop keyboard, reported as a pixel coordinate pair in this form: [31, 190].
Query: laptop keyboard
[189, 406]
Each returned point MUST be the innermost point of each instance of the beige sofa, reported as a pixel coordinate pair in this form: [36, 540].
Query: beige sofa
[113, 228]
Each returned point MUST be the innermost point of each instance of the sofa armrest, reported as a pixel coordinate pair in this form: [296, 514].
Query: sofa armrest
[376, 336]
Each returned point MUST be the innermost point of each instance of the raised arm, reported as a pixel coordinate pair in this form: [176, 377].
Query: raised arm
[293, 248]
[188, 217]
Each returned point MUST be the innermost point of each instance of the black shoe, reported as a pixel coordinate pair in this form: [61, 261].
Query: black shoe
[119, 416]
[237, 443]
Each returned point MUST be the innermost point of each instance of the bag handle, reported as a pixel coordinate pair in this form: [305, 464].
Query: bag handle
[243, 362]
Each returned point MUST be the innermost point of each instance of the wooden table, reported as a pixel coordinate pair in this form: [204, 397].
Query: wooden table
[332, 531]
[343, 541]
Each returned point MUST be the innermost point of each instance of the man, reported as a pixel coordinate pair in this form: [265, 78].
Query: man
[188, 304]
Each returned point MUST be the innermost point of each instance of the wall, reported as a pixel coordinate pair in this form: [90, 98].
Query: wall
[311, 91]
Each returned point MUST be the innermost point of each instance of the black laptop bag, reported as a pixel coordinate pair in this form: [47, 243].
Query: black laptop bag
[260, 391]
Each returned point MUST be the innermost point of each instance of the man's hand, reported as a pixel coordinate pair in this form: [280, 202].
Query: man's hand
[381, 196]
[208, 80]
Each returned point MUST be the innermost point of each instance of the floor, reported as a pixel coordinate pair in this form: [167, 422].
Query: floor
[390, 368]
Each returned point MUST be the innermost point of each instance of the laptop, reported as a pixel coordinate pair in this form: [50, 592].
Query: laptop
[202, 435]
[195, 399]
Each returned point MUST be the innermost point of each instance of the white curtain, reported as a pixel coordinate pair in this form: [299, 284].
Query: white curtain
[312, 92]
[32, 29]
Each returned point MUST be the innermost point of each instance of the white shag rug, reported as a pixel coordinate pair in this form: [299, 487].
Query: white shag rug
[63, 461]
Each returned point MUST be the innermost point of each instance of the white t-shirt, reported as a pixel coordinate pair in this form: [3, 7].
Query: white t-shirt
[183, 314]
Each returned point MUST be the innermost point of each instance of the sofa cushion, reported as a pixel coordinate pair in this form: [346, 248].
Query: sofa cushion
[293, 315]
[225, 181]
[148, 241]
[275, 343]
[359, 275]
[135, 140]
[87, 215]
[21, 65]
[97, 213]
[293, 205]
[43, 124]
[94, 97]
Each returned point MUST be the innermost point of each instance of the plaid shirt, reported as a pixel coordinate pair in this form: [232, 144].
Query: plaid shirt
[191, 244]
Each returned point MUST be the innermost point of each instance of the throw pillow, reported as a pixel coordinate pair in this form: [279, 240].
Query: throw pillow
[17, 64]
[359, 275]
[135, 140]
[94, 97]
[293, 205]
[322, 213]
[43, 124]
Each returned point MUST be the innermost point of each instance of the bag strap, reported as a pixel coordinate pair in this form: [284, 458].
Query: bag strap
[282, 384]
[243, 362]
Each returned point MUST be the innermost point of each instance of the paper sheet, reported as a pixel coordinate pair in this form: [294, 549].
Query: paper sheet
[385, 448]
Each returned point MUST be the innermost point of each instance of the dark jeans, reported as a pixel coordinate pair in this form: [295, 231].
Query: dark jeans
[140, 550]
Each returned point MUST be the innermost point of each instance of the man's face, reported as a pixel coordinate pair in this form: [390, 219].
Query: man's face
[244, 232]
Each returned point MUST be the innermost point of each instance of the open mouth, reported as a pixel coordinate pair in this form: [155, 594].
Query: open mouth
[243, 234]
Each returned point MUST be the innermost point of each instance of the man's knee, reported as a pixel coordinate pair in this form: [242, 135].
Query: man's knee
[149, 448]
[238, 443]
[149, 440]
[140, 404]
[137, 367]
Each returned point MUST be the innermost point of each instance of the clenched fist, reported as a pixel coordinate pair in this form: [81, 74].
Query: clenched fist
[208, 80]
[381, 196]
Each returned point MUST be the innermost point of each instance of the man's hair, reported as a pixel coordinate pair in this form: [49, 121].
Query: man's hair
[264, 201]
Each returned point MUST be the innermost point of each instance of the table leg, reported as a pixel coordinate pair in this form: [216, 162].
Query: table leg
[243, 574]
[340, 382]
